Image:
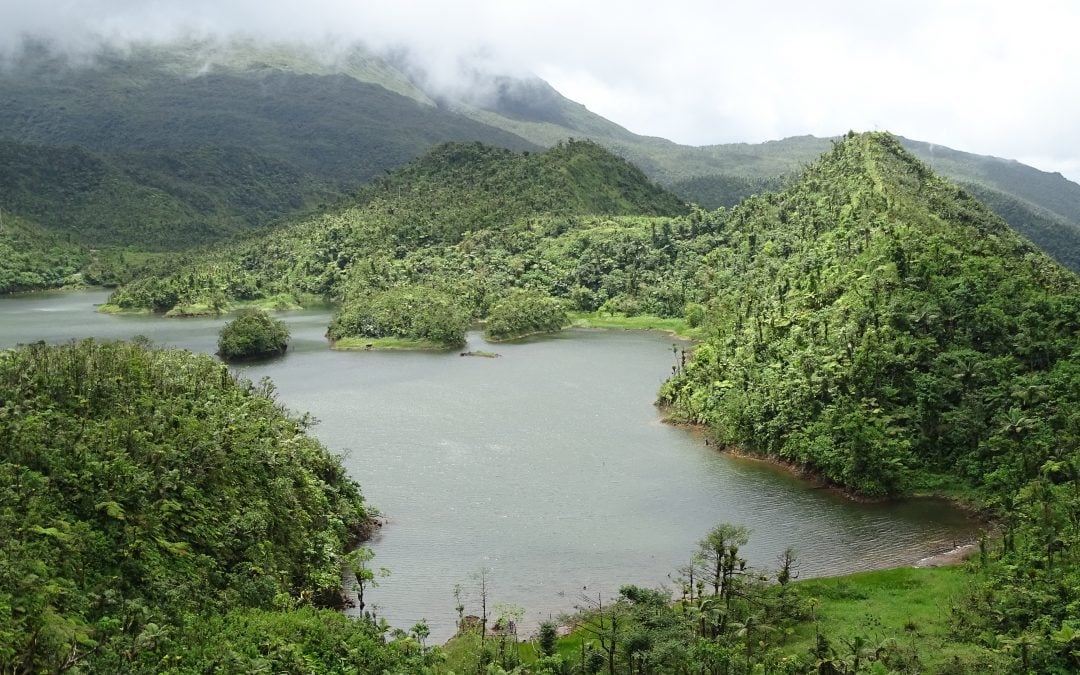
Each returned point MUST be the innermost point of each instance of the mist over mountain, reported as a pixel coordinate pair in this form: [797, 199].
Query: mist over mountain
[233, 134]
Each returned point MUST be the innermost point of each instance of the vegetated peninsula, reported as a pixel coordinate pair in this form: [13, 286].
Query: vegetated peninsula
[158, 515]
[449, 235]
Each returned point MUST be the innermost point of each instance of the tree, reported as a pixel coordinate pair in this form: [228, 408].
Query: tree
[549, 635]
[522, 313]
[252, 334]
[719, 562]
[357, 561]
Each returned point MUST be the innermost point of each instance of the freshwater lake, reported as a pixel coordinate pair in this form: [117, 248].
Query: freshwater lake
[548, 466]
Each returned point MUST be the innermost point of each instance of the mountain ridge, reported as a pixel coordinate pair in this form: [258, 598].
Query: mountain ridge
[316, 125]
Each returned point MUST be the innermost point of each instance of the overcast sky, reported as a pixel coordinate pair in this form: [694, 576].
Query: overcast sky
[992, 77]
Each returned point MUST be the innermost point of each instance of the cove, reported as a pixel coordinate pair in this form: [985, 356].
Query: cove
[549, 466]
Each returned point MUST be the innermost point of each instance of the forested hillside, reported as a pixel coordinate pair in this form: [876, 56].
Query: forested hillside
[844, 306]
[879, 326]
[154, 510]
[467, 219]
[31, 257]
[170, 146]
[155, 150]
[1045, 207]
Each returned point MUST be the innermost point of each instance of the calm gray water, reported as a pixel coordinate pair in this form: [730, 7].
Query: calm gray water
[548, 466]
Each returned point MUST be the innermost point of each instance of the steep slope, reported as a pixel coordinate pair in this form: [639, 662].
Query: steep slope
[455, 197]
[220, 138]
[160, 149]
[160, 515]
[1042, 206]
[329, 126]
[33, 258]
[877, 324]
[153, 201]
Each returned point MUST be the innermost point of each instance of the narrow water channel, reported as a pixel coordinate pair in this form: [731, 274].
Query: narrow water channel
[548, 466]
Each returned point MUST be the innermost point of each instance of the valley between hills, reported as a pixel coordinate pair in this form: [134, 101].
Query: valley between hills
[895, 318]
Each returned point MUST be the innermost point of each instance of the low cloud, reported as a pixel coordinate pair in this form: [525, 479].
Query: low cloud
[994, 78]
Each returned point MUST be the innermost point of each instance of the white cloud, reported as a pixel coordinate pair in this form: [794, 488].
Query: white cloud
[989, 77]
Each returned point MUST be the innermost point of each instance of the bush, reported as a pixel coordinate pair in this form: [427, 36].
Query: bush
[523, 313]
[694, 313]
[252, 334]
[409, 312]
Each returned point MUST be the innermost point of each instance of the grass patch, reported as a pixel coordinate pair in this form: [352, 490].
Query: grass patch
[910, 605]
[283, 302]
[389, 344]
[676, 326]
[462, 652]
[194, 309]
[117, 309]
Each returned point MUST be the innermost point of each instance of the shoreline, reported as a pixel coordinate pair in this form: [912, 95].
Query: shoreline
[808, 474]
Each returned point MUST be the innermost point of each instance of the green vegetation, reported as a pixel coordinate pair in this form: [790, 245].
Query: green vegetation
[84, 152]
[876, 324]
[906, 608]
[421, 316]
[252, 334]
[731, 618]
[674, 325]
[153, 202]
[157, 514]
[524, 313]
[32, 258]
[472, 222]
[871, 322]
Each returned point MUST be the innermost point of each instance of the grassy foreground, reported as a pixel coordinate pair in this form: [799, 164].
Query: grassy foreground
[855, 613]
[907, 604]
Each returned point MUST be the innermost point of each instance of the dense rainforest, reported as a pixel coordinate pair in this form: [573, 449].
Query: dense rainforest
[872, 323]
[876, 324]
[158, 515]
[166, 147]
[466, 220]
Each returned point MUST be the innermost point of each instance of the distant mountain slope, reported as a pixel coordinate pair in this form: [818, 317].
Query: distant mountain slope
[149, 200]
[333, 127]
[161, 149]
[458, 196]
[32, 257]
[239, 133]
[1042, 206]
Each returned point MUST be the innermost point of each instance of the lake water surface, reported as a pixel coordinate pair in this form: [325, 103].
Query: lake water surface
[548, 466]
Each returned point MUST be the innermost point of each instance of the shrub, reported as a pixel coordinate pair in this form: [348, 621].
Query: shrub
[410, 312]
[523, 313]
[252, 334]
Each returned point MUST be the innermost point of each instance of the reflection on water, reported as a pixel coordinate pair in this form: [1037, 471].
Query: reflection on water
[548, 465]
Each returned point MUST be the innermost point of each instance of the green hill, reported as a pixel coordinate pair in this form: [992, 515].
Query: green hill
[149, 201]
[155, 149]
[879, 325]
[32, 257]
[876, 325]
[159, 515]
[1044, 207]
[224, 138]
[431, 222]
